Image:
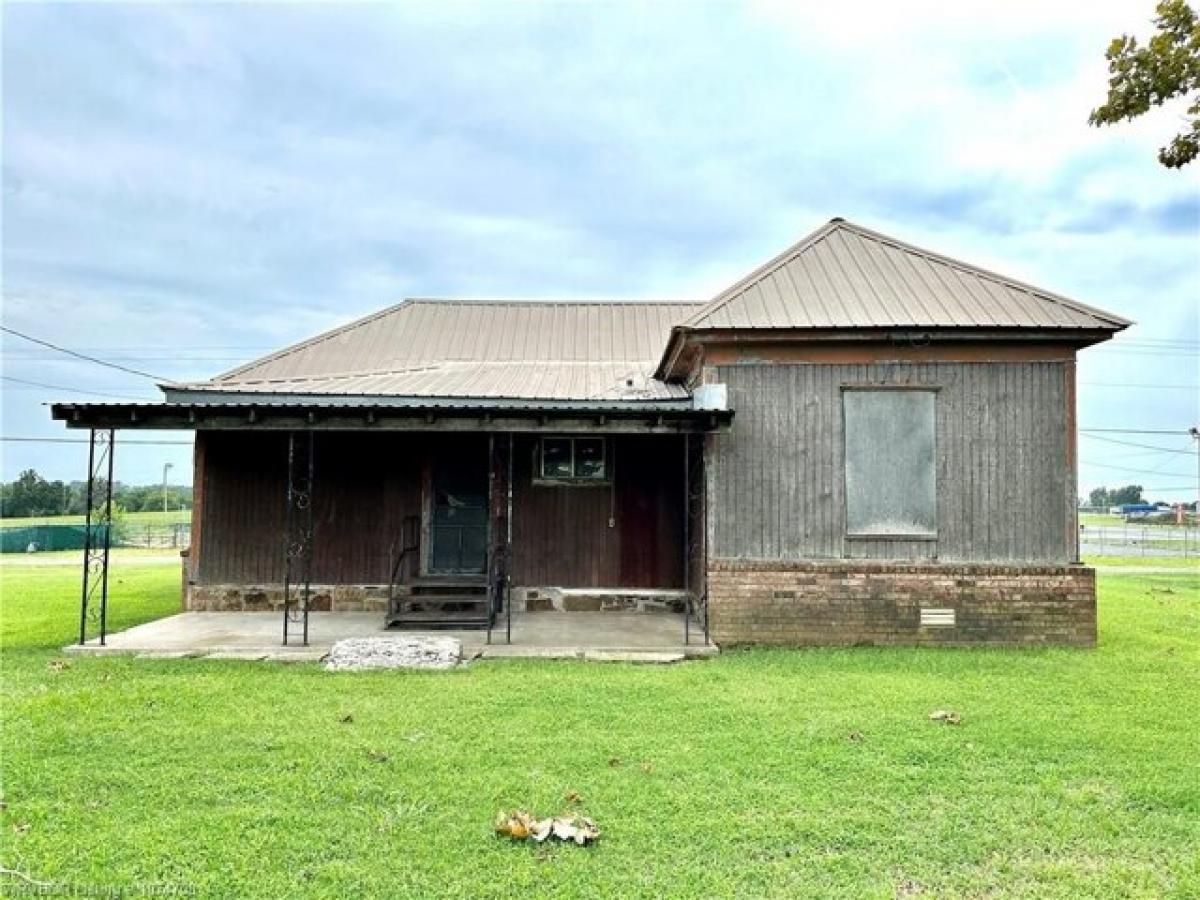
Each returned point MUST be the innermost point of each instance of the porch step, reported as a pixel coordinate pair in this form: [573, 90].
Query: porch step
[430, 621]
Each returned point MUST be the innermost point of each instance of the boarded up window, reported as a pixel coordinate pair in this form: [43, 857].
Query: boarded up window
[890, 468]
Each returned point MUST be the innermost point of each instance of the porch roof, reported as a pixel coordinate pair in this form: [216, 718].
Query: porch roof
[384, 413]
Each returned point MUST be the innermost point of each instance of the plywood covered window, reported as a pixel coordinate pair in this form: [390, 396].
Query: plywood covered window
[891, 484]
[576, 459]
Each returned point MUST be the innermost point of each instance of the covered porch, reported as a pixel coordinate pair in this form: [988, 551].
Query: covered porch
[554, 530]
[598, 636]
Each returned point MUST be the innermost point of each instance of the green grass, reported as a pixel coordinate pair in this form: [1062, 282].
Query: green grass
[1074, 772]
[147, 517]
[1183, 563]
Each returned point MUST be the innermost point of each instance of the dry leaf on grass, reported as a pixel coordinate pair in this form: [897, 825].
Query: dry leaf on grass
[520, 825]
[58, 665]
[856, 736]
[948, 716]
[346, 719]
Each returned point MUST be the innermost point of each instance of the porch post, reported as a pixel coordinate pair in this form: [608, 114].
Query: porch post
[298, 533]
[98, 512]
[508, 545]
[687, 546]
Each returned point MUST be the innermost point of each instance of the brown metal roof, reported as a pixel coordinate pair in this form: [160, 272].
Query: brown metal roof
[846, 276]
[840, 277]
[479, 349]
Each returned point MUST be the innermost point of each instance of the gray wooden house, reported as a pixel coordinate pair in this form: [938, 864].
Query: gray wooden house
[860, 442]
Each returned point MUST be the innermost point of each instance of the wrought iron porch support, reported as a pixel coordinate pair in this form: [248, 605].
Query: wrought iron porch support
[99, 515]
[298, 536]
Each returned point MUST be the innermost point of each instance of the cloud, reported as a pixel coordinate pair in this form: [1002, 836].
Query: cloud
[244, 175]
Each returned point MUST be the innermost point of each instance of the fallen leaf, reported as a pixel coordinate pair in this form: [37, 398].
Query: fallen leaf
[346, 719]
[948, 716]
[614, 761]
[20, 827]
[520, 825]
[379, 756]
[58, 665]
[856, 736]
[647, 768]
[572, 796]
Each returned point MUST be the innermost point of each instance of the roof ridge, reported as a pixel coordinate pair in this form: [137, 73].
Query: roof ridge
[988, 274]
[505, 301]
[316, 339]
[838, 223]
[770, 265]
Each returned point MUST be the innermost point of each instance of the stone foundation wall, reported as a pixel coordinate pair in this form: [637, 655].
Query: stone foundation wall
[267, 597]
[554, 599]
[860, 602]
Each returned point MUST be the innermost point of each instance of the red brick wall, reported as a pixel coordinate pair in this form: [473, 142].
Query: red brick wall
[862, 602]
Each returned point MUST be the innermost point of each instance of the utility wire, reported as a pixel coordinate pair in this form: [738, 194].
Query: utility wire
[59, 387]
[1096, 437]
[99, 362]
[1128, 431]
[1117, 384]
[51, 440]
[1086, 462]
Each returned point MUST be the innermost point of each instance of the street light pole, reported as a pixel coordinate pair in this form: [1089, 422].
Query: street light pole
[167, 467]
[1195, 433]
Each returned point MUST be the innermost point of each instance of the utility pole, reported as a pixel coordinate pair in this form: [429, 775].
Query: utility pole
[1195, 433]
[167, 467]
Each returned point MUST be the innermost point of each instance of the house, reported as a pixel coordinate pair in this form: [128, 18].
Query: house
[860, 442]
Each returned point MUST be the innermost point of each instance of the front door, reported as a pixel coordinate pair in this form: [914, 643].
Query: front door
[458, 519]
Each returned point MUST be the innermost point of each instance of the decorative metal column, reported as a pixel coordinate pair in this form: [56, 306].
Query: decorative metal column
[97, 537]
[298, 536]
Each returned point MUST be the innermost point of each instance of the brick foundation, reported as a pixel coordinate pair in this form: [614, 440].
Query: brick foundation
[862, 602]
[266, 597]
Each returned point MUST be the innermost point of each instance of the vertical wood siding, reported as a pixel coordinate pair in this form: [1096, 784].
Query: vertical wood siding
[1004, 475]
[561, 534]
[366, 484]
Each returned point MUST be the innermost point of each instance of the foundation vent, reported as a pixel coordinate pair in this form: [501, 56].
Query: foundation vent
[937, 618]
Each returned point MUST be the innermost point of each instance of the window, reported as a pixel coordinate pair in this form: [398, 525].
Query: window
[573, 459]
[891, 488]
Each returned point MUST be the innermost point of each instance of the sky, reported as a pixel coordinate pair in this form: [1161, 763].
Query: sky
[189, 187]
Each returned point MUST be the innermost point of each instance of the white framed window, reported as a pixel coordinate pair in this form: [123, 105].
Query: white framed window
[573, 459]
[890, 462]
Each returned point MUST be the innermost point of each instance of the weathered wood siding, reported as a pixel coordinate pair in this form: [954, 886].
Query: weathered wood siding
[561, 533]
[1005, 480]
[366, 484]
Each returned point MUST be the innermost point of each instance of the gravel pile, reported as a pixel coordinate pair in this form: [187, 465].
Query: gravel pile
[394, 653]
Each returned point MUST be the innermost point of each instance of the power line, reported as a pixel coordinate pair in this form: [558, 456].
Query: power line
[1117, 384]
[59, 387]
[1129, 431]
[49, 440]
[1128, 469]
[1096, 437]
[83, 356]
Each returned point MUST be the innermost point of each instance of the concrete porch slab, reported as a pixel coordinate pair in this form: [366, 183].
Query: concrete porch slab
[258, 635]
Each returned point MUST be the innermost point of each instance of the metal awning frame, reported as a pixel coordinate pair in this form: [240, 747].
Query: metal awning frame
[358, 416]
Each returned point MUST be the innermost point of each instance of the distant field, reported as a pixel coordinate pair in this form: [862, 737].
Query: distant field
[151, 517]
[1183, 563]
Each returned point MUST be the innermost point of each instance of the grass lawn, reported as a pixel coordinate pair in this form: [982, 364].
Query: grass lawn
[761, 773]
[147, 517]
[1183, 563]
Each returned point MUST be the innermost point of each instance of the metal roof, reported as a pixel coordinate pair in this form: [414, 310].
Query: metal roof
[846, 276]
[476, 349]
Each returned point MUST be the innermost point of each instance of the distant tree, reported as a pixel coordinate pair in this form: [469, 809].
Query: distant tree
[1131, 493]
[1099, 497]
[32, 495]
[1165, 67]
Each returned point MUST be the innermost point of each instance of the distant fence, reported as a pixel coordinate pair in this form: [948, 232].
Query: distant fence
[1133, 539]
[24, 538]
